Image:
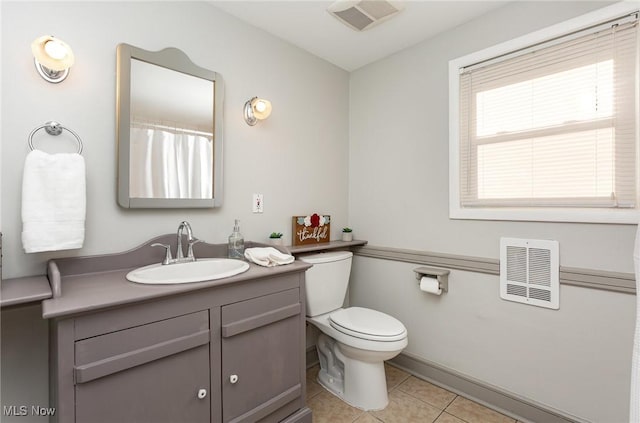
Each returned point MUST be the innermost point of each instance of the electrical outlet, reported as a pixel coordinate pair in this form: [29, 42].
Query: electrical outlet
[258, 204]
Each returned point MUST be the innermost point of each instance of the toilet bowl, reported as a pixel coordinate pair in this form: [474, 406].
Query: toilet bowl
[354, 342]
[352, 364]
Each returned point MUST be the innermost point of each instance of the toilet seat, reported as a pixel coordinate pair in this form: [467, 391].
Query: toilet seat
[367, 324]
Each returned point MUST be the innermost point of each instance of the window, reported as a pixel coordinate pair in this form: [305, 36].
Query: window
[546, 127]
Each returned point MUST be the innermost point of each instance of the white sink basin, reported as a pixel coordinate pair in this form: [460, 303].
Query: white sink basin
[194, 271]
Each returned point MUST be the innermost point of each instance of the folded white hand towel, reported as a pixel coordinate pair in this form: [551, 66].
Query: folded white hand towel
[280, 258]
[53, 201]
[267, 256]
[258, 256]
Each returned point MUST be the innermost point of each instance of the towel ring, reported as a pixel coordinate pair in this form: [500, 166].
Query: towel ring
[54, 128]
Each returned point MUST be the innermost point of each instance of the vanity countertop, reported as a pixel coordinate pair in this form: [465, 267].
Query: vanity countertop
[96, 282]
[20, 291]
[88, 292]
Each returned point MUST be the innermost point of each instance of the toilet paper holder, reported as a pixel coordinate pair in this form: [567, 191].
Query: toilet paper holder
[441, 274]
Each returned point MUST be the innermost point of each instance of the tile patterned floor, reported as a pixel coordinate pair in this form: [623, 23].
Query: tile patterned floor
[410, 400]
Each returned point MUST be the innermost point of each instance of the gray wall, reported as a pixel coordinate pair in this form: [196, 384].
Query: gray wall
[297, 158]
[384, 129]
[577, 359]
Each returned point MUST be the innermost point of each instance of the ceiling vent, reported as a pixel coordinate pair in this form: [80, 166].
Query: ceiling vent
[364, 14]
[530, 272]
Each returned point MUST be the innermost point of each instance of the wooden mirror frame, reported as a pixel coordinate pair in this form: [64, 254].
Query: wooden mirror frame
[173, 59]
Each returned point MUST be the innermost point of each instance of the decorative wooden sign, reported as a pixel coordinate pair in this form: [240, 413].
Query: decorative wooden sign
[313, 229]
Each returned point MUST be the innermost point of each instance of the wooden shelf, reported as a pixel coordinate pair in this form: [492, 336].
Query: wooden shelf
[25, 290]
[333, 245]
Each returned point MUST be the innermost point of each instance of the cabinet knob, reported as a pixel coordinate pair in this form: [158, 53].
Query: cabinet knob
[233, 378]
[202, 393]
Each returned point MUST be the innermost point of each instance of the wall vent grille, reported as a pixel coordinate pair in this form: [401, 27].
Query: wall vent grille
[530, 272]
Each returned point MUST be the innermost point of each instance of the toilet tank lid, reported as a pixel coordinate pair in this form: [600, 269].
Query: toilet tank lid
[326, 257]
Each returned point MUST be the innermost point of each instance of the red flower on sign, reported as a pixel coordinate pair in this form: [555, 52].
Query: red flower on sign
[315, 220]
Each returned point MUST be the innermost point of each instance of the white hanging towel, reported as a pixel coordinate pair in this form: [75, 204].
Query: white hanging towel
[634, 403]
[53, 201]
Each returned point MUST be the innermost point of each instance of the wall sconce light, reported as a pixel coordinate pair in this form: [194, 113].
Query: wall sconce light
[256, 109]
[52, 57]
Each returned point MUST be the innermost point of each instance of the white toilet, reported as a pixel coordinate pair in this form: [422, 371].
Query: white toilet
[355, 341]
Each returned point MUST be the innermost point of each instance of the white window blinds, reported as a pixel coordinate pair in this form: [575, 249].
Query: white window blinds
[554, 124]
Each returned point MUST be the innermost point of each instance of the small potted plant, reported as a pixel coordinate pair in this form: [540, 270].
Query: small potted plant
[275, 238]
[347, 234]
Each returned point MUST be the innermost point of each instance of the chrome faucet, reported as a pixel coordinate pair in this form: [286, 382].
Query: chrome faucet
[180, 253]
[191, 241]
[180, 258]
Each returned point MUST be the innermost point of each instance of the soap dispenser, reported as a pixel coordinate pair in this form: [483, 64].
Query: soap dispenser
[236, 243]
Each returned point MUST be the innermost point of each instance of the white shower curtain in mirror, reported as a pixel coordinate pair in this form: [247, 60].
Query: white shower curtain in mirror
[170, 162]
[634, 411]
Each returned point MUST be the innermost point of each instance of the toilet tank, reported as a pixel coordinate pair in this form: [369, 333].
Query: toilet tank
[326, 282]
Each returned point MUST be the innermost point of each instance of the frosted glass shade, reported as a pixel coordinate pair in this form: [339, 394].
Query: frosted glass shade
[52, 53]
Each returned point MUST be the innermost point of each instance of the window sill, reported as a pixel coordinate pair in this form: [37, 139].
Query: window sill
[620, 216]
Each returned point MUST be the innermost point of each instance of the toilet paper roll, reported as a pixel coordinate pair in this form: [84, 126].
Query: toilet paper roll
[430, 285]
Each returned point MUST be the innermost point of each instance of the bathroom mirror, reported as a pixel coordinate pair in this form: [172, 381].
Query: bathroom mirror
[169, 130]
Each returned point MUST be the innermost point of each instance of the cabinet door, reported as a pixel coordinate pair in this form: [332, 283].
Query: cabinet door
[152, 373]
[261, 357]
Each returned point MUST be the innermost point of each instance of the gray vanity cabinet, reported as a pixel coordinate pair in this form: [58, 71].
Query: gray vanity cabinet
[260, 356]
[121, 376]
[228, 353]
